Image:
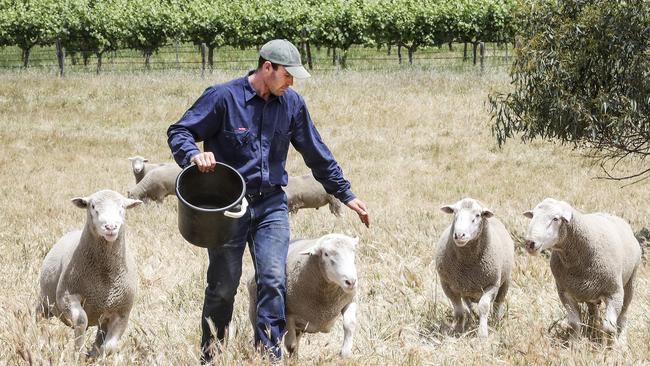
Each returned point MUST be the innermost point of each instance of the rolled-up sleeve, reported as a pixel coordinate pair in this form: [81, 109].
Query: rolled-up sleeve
[197, 124]
[318, 157]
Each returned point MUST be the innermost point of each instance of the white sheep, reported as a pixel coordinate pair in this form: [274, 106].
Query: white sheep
[474, 260]
[306, 192]
[89, 277]
[321, 285]
[142, 167]
[157, 184]
[594, 258]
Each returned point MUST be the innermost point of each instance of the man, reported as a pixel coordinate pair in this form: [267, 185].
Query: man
[248, 124]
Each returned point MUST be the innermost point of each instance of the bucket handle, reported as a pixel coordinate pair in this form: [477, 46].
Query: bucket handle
[242, 211]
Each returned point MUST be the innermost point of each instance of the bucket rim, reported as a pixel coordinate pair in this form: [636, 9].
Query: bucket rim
[201, 209]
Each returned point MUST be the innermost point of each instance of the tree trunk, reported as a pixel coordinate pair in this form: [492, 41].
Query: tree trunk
[474, 47]
[411, 50]
[26, 57]
[450, 46]
[202, 48]
[147, 57]
[309, 60]
[86, 57]
[390, 49]
[211, 58]
[333, 56]
[99, 61]
[60, 56]
[343, 57]
[464, 51]
[399, 53]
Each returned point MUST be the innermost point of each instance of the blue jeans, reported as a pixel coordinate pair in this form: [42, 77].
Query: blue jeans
[266, 229]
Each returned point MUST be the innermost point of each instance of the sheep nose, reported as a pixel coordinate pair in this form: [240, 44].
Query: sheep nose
[351, 283]
[458, 236]
[110, 227]
[530, 245]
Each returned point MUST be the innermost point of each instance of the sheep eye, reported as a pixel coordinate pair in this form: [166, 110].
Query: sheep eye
[326, 254]
[556, 219]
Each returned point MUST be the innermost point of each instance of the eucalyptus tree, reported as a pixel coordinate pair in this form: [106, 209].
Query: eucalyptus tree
[582, 76]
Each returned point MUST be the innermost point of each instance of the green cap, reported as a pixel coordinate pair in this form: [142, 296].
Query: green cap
[283, 52]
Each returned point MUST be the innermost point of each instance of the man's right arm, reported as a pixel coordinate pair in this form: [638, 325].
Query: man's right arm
[200, 122]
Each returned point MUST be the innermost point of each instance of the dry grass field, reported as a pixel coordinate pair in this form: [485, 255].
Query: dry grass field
[409, 141]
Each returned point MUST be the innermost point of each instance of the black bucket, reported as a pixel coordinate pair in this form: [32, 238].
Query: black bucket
[209, 204]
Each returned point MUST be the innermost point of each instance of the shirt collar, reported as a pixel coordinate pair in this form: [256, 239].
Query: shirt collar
[250, 93]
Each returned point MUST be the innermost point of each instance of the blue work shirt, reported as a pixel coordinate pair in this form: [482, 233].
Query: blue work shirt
[253, 135]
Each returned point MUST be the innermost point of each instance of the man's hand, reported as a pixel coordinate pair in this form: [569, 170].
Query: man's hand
[205, 161]
[360, 208]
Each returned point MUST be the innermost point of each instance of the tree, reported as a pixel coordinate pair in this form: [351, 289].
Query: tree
[340, 24]
[581, 76]
[149, 24]
[33, 22]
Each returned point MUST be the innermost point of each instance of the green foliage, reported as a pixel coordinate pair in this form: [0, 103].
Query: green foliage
[33, 22]
[149, 23]
[581, 76]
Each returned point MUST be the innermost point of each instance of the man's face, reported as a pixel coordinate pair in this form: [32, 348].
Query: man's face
[279, 80]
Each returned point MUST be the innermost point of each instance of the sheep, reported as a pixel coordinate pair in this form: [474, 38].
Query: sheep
[89, 277]
[321, 284]
[474, 260]
[306, 192]
[141, 167]
[594, 258]
[157, 184]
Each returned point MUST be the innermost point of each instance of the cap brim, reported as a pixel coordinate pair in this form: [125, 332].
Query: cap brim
[297, 72]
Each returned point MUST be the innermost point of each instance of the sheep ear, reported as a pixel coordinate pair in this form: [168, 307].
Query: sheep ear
[130, 203]
[566, 215]
[528, 214]
[449, 209]
[487, 213]
[131, 158]
[312, 251]
[145, 160]
[81, 202]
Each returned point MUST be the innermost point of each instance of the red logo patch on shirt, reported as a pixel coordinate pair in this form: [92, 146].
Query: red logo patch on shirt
[242, 129]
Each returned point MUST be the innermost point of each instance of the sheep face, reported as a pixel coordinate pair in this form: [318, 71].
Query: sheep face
[469, 215]
[105, 212]
[546, 226]
[137, 162]
[336, 256]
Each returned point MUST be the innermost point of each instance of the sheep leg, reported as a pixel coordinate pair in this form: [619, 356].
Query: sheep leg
[613, 307]
[500, 300]
[115, 327]
[628, 291]
[349, 313]
[290, 339]
[76, 315]
[573, 311]
[593, 318]
[484, 307]
[460, 314]
[99, 338]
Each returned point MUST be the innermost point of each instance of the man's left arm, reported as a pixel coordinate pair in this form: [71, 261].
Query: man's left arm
[324, 167]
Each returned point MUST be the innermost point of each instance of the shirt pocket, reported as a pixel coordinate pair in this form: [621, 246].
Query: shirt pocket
[238, 139]
[280, 145]
[238, 147]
